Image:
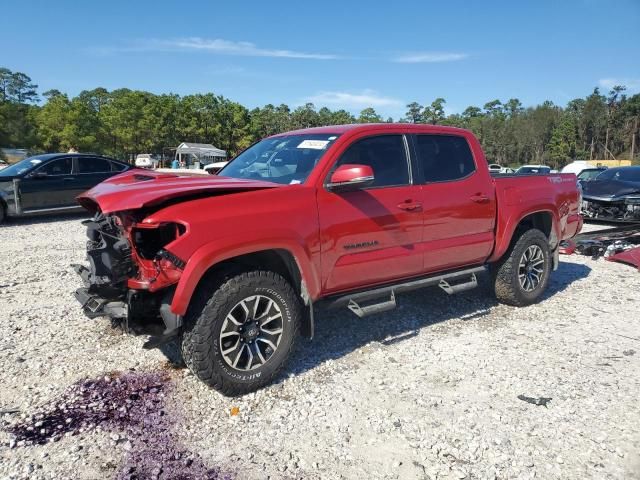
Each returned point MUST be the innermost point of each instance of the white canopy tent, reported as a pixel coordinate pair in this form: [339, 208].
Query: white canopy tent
[194, 155]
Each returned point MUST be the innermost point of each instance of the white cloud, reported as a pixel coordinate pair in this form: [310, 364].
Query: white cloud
[430, 57]
[630, 83]
[366, 98]
[214, 45]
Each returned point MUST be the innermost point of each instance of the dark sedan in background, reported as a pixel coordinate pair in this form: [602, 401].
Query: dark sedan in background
[49, 183]
[613, 196]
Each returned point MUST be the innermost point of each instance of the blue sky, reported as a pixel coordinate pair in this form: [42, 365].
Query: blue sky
[336, 53]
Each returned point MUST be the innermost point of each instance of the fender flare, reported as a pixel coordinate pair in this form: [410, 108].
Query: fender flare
[509, 227]
[213, 253]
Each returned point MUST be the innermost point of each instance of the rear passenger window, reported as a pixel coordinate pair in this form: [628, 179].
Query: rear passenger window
[93, 165]
[444, 158]
[384, 154]
[117, 167]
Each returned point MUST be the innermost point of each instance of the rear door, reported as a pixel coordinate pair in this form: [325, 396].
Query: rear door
[49, 186]
[459, 202]
[90, 171]
[372, 235]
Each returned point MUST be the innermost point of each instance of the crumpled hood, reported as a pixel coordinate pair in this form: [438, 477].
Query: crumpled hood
[609, 188]
[141, 188]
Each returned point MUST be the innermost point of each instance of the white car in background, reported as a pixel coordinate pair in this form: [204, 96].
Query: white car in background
[146, 160]
[533, 170]
[215, 167]
[497, 168]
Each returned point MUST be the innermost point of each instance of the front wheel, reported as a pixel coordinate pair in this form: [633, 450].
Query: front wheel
[522, 275]
[241, 330]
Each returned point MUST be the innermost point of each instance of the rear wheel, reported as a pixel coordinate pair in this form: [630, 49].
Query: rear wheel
[240, 331]
[522, 275]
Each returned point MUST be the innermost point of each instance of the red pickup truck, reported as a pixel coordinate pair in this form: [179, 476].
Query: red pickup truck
[233, 266]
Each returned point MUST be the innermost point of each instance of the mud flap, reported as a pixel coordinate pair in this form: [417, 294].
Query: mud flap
[556, 258]
[172, 323]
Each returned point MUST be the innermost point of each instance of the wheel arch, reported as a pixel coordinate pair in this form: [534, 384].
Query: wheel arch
[290, 262]
[277, 260]
[544, 220]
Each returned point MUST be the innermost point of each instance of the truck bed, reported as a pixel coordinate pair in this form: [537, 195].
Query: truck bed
[521, 195]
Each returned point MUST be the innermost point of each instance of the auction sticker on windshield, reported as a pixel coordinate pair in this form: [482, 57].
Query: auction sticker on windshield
[315, 144]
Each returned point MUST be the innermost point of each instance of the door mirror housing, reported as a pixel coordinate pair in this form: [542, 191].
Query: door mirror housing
[351, 177]
[39, 174]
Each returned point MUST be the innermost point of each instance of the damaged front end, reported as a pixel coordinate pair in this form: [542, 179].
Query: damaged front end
[620, 209]
[131, 276]
[614, 196]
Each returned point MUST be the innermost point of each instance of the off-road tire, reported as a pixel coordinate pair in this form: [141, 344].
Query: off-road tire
[505, 272]
[204, 320]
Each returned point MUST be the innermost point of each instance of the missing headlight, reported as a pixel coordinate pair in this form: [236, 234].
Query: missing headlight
[150, 241]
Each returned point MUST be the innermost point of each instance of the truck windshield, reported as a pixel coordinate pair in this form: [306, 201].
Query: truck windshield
[287, 160]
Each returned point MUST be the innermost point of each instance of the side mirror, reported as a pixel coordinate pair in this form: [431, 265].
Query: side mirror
[39, 174]
[351, 177]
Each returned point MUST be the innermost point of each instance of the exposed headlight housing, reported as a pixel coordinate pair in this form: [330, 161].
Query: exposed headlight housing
[150, 239]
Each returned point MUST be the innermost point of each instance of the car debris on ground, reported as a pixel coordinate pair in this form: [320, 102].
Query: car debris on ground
[541, 401]
[618, 244]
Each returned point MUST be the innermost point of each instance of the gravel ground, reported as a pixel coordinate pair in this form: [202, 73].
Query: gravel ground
[429, 390]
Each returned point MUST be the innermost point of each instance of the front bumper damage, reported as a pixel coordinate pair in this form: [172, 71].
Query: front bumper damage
[618, 209]
[119, 283]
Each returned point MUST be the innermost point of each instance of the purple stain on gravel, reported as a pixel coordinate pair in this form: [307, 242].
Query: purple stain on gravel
[132, 403]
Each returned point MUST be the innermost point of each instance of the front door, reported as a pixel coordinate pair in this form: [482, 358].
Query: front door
[459, 203]
[372, 235]
[48, 186]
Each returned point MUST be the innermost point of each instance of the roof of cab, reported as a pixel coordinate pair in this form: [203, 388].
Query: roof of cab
[340, 129]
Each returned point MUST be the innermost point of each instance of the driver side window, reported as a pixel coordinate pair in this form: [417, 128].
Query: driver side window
[386, 156]
[60, 166]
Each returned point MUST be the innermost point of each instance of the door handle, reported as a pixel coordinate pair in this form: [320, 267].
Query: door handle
[479, 198]
[68, 179]
[410, 206]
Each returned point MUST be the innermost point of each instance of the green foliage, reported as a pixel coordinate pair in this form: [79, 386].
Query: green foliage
[125, 122]
[414, 113]
[562, 145]
[16, 87]
[369, 115]
[434, 114]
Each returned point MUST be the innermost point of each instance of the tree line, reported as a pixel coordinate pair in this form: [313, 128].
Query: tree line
[125, 122]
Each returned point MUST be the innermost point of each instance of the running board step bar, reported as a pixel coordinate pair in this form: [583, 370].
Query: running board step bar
[447, 281]
[460, 287]
[374, 308]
